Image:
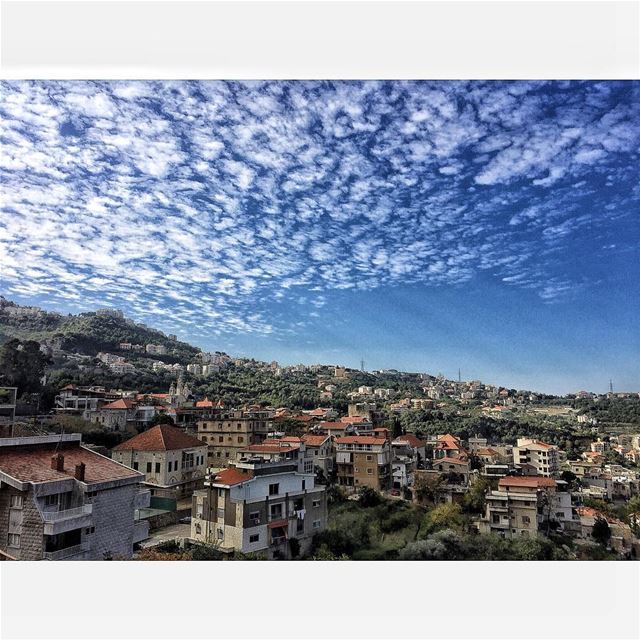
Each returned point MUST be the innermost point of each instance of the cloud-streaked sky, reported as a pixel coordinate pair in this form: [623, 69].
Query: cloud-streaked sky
[426, 226]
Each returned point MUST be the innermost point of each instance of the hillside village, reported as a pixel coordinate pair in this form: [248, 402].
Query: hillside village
[130, 444]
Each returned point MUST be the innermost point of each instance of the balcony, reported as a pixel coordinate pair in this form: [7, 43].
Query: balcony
[70, 553]
[56, 522]
[142, 499]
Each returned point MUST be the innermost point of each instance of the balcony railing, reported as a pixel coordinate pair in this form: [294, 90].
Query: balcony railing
[69, 552]
[66, 514]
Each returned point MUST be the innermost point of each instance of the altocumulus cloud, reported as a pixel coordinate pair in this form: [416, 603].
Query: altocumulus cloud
[206, 203]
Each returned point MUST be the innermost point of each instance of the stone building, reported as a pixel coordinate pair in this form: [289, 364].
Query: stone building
[227, 433]
[259, 507]
[173, 462]
[60, 501]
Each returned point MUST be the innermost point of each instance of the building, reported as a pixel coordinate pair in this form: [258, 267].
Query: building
[121, 368]
[282, 449]
[528, 506]
[542, 456]
[118, 415]
[320, 449]
[61, 501]
[447, 446]
[260, 507]
[156, 349]
[174, 463]
[363, 461]
[76, 400]
[407, 454]
[228, 433]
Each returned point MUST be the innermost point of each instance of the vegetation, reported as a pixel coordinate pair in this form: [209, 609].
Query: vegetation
[22, 365]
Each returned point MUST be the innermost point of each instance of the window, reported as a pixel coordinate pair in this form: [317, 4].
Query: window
[304, 484]
[220, 438]
[148, 467]
[254, 538]
[169, 467]
[52, 500]
[135, 466]
[274, 489]
[220, 533]
[316, 524]
[14, 540]
[176, 465]
[220, 493]
[89, 530]
[370, 471]
[526, 519]
[254, 518]
[316, 503]
[240, 439]
[16, 502]
[276, 511]
[220, 513]
[495, 518]
[369, 458]
[157, 467]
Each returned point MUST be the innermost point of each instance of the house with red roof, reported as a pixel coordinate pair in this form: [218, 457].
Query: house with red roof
[173, 462]
[62, 501]
[260, 506]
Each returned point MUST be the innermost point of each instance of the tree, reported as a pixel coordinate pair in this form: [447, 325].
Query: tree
[601, 532]
[22, 365]
[369, 497]
[294, 547]
[426, 486]
[397, 428]
[473, 500]
[160, 418]
[444, 516]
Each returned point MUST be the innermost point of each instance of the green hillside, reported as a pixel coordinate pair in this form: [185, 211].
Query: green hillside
[85, 333]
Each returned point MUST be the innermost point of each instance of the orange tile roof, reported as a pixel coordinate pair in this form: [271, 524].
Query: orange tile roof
[232, 476]
[33, 464]
[314, 441]
[162, 437]
[120, 404]
[354, 419]
[360, 440]
[526, 481]
[332, 425]
[205, 403]
[410, 439]
[272, 447]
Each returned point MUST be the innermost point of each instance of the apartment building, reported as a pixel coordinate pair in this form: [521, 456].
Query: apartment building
[320, 450]
[407, 452]
[76, 400]
[227, 433]
[543, 457]
[527, 506]
[285, 449]
[260, 506]
[174, 463]
[363, 461]
[61, 501]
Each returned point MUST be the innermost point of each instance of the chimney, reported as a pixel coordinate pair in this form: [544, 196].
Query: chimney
[79, 474]
[57, 462]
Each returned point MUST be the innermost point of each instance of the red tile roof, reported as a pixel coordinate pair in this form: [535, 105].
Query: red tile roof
[33, 464]
[272, 447]
[360, 440]
[232, 476]
[410, 439]
[120, 404]
[314, 441]
[205, 403]
[162, 437]
[354, 419]
[526, 481]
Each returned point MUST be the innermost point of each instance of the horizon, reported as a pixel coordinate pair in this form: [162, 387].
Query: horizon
[420, 226]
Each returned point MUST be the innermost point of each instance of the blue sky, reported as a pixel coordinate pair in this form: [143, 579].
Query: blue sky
[425, 226]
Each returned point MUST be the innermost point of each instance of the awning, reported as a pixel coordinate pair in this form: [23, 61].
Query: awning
[278, 523]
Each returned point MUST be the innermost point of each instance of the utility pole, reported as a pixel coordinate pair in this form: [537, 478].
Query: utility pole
[610, 385]
[362, 365]
[459, 376]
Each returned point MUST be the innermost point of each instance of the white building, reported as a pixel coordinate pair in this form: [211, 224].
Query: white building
[543, 457]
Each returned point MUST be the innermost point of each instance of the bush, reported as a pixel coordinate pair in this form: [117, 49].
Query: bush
[396, 521]
[369, 497]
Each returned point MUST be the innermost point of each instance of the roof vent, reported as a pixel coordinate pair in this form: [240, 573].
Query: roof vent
[79, 474]
[57, 462]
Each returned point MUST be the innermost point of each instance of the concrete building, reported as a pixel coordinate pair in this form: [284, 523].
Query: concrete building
[156, 349]
[259, 507]
[289, 449]
[527, 506]
[173, 462]
[542, 456]
[61, 501]
[227, 433]
[363, 461]
[320, 450]
[118, 415]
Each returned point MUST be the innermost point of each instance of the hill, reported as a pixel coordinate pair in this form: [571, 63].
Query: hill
[85, 333]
